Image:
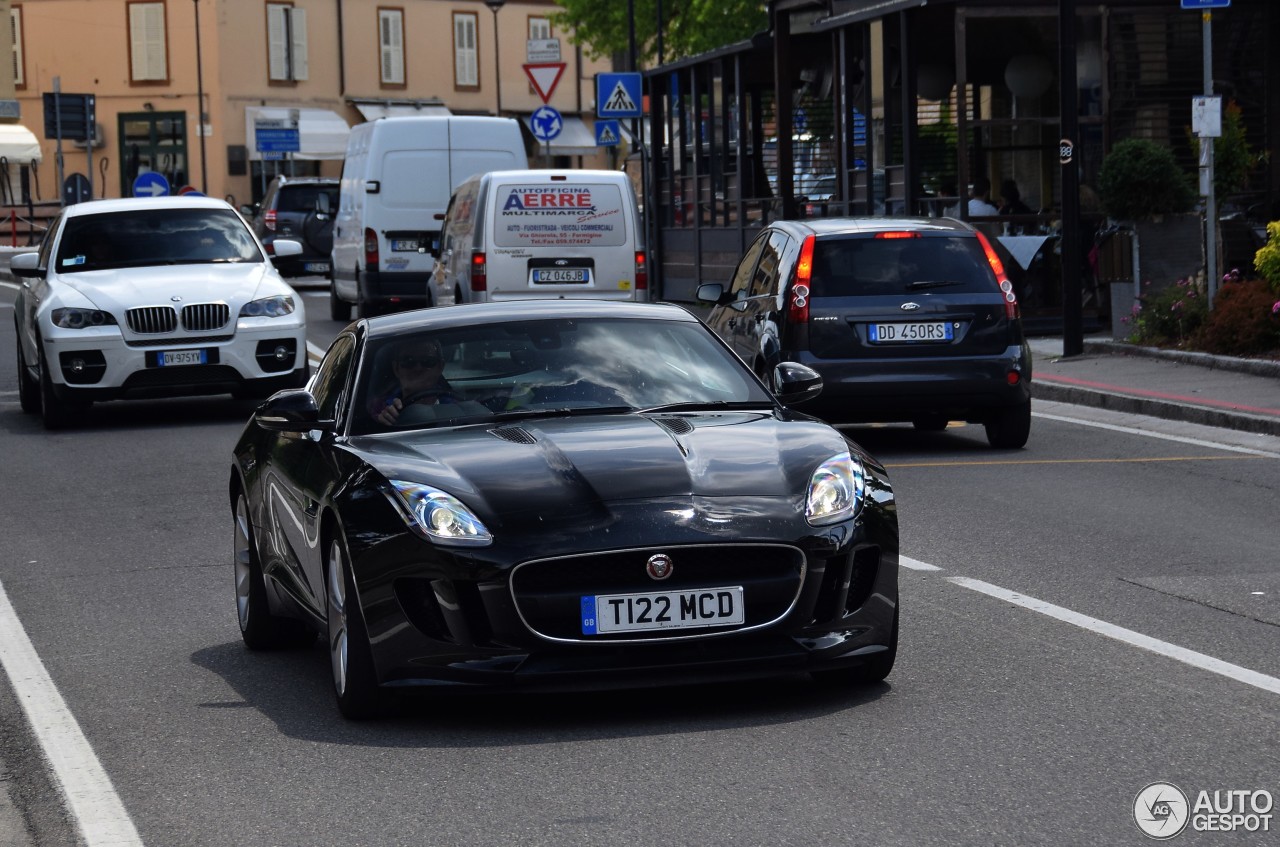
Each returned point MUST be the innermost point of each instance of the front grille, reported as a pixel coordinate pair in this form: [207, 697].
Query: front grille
[548, 593]
[202, 317]
[151, 320]
[178, 342]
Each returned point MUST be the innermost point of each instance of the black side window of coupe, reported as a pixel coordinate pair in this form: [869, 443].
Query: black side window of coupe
[330, 384]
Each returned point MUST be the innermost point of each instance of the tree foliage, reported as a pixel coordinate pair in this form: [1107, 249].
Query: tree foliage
[689, 27]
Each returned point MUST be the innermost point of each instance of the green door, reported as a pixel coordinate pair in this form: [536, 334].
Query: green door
[153, 141]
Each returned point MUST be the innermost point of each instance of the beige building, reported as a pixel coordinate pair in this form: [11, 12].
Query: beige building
[270, 65]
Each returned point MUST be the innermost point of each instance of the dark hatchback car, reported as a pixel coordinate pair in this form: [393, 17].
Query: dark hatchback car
[906, 319]
[598, 495]
[300, 209]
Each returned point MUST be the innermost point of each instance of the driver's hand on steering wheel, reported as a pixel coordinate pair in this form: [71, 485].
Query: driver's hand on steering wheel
[391, 412]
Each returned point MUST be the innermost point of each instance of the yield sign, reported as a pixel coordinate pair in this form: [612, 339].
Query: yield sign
[544, 76]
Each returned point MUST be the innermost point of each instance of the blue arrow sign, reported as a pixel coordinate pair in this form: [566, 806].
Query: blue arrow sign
[608, 133]
[546, 123]
[619, 95]
[1205, 4]
[151, 184]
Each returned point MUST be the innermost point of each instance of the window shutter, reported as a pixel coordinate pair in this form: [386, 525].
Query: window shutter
[277, 42]
[464, 50]
[392, 40]
[146, 31]
[299, 30]
[15, 26]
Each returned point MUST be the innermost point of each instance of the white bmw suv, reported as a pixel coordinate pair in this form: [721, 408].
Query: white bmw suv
[153, 297]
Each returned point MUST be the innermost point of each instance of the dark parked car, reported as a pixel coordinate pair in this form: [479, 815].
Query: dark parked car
[906, 319]
[602, 495]
[301, 209]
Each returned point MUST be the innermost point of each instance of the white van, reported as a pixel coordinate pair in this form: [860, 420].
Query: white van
[396, 181]
[542, 234]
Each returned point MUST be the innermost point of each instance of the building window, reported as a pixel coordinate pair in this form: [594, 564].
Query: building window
[539, 27]
[148, 52]
[286, 43]
[15, 26]
[391, 44]
[466, 59]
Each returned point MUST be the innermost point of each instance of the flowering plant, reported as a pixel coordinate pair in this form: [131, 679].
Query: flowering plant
[1171, 316]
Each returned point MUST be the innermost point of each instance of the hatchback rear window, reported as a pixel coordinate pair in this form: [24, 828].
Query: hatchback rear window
[852, 267]
[302, 198]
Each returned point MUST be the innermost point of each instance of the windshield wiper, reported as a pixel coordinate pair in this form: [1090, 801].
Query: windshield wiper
[561, 412]
[712, 405]
[931, 283]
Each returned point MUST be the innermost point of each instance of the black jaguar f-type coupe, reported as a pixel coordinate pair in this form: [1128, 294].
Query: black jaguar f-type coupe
[558, 494]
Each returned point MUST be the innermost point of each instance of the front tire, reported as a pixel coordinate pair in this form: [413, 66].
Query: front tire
[1009, 428]
[28, 388]
[350, 655]
[260, 629]
[57, 414]
[871, 671]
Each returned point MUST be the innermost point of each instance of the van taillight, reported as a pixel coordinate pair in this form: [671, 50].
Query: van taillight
[798, 309]
[1011, 310]
[370, 250]
[269, 220]
[479, 272]
[642, 271]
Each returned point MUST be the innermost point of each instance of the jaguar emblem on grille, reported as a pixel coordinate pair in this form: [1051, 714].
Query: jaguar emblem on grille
[659, 566]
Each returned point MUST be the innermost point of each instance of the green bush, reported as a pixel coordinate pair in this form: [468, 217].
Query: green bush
[1243, 321]
[1140, 179]
[1267, 260]
[1171, 316]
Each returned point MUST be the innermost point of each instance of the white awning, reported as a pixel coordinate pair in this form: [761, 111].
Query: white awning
[18, 145]
[322, 134]
[374, 109]
[575, 138]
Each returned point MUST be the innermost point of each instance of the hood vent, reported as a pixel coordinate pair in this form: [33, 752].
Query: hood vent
[675, 426]
[514, 434]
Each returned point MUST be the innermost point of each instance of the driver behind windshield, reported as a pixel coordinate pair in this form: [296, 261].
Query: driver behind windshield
[418, 367]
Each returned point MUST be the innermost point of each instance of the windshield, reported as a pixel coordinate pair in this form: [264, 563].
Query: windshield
[162, 236]
[549, 367]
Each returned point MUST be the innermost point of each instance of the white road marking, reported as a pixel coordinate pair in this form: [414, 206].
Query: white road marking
[916, 564]
[90, 798]
[1128, 636]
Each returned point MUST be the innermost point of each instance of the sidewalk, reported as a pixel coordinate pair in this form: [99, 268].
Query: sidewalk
[1221, 391]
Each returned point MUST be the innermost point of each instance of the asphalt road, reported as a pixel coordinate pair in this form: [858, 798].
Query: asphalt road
[1080, 619]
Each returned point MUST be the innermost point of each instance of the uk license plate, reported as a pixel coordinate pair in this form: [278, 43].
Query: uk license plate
[607, 613]
[174, 358]
[404, 245]
[913, 331]
[560, 275]
[316, 267]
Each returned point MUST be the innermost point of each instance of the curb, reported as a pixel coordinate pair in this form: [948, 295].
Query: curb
[1254, 367]
[1242, 421]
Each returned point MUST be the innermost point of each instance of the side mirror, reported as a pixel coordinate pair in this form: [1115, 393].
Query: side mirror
[795, 383]
[322, 204]
[291, 410]
[711, 292]
[286, 247]
[25, 265]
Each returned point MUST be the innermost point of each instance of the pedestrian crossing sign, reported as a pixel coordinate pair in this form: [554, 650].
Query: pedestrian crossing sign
[618, 95]
[608, 133]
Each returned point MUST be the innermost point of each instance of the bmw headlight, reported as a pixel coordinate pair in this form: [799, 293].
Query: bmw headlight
[835, 490]
[268, 307]
[440, 516]
[81, 318]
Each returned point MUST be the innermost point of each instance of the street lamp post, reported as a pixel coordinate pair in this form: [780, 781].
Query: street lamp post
[204, 170]
[494, 6]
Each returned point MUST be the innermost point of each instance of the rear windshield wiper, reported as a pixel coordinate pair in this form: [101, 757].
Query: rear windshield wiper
[932, 283]
[712, 405]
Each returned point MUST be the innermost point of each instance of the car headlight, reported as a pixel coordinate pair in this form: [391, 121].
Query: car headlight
[835, 490]
[441, 517]
[268, 307]
[81, 318]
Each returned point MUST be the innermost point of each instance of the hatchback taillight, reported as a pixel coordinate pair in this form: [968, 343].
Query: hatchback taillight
[269, 220]
[370, 250]
[1006, 287]
[798, 308]
[642, 271]
[479, 272]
